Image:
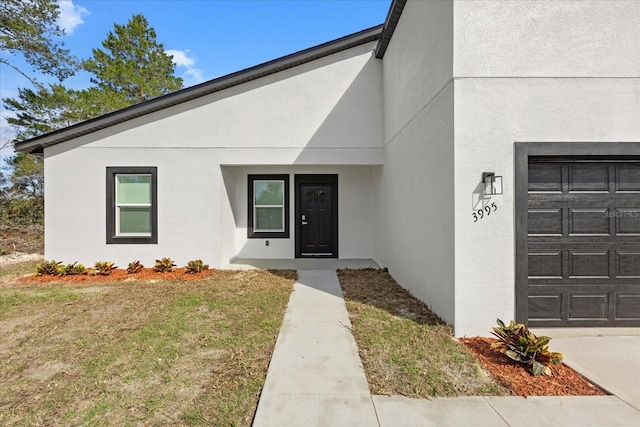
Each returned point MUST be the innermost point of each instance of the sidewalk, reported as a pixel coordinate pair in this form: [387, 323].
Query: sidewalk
[315, 378]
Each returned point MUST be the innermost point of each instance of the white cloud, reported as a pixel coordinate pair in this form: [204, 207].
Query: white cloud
[180, 58]
[70, 15]
[195, 74]
[192, 75]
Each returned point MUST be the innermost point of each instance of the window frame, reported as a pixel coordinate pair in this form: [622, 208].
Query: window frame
[252, 233]
[112, 206]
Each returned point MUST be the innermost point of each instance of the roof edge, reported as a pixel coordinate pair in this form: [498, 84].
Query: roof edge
[37, 144]
[389, 26]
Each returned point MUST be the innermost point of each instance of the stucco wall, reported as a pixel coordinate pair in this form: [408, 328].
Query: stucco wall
[554, 71]
[327, 112]
[418, 62]
[332, 103]
[75, 206]
[543, 38]
[415, 205]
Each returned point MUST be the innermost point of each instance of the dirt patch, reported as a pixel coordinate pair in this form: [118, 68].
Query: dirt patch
[22, 238]
[147, 274]
[377, 288]
[93, 290]
[564, 381]
[47, 371]
[18, 257]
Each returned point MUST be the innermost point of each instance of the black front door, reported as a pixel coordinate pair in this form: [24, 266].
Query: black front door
[316, 216]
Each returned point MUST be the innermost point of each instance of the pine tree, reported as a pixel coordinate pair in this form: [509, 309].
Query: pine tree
[133, 68]
[133, 65]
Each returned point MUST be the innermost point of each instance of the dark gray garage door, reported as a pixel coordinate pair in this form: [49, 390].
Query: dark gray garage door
[583, 250]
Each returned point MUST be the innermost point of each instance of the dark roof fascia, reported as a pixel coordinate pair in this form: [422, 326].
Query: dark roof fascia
[38, 144]
[389, 26]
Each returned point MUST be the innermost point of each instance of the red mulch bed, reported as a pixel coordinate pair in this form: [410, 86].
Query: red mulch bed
[119, 275]
[564, 381]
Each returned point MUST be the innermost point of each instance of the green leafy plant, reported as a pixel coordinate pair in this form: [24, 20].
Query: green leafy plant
[72, 269]
[64, 270]
[521, 345]
[164, 265]
[78, 269]
[103, 268]
[134, 267]
[48, 268]
[195, 266]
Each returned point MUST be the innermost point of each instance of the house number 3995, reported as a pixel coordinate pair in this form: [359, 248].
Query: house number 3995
[486, 211]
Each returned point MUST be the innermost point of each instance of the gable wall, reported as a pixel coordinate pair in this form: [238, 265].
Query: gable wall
[327, 112]
[555, 71]
[333, 102]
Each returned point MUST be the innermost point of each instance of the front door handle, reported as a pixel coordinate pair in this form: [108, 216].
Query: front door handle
[304, 222]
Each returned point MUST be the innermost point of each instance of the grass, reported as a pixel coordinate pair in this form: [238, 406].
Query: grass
[405, 348]
[13, 271]
[139, 353]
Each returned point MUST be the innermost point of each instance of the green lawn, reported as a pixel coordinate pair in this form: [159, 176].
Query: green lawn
[405, 349]
[139, 353]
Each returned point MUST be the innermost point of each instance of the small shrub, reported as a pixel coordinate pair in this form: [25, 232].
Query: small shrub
[164, 265]
[78, 269]
[48, 268]
[103, 268]
[72, 269]
[195, 266]
[134, 267]
[64, 270]
[519, 344]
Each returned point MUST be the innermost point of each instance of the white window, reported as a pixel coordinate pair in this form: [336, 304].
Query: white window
[132, 211]
[268, 206]
[133, 205]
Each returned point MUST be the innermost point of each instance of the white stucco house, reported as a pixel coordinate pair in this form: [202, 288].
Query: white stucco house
[377, 146]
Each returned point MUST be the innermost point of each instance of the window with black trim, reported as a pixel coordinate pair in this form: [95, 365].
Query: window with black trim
[268, 202]
[132, 208]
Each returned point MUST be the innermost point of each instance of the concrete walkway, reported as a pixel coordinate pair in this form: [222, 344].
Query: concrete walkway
[315, 378]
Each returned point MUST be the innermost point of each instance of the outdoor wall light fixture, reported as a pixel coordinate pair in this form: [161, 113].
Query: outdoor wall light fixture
[492, 183]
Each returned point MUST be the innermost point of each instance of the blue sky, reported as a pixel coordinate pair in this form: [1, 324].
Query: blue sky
[208, 38]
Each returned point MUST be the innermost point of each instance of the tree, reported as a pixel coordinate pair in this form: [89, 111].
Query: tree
[27, 27]
[22, 193]
[26, 176]
[134, 68]
[133, 65]
[43, 110]
[46, 109]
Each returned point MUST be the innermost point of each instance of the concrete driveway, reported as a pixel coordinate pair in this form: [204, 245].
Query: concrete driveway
[609, 357]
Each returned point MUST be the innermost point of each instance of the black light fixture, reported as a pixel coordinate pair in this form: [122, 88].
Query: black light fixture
[492, 183]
